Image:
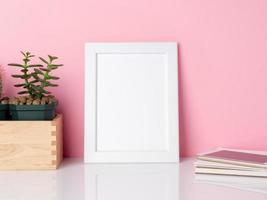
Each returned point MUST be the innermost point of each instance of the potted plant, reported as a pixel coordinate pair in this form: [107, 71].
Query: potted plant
[38, 104]
[3, 100]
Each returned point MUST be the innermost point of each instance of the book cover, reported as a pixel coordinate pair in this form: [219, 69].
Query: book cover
[236, 158]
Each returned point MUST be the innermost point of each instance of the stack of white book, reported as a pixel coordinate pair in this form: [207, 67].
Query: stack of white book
[234, 168]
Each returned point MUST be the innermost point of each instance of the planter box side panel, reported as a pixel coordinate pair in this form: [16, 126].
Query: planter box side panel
[58, 143]
[29, 145]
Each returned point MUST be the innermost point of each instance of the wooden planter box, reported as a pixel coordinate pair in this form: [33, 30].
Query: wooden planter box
[31, 145]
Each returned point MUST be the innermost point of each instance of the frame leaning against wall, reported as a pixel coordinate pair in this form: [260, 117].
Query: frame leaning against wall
[131, 102]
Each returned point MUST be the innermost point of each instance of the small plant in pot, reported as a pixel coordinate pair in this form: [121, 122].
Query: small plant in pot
[36, 102]
[3, 100]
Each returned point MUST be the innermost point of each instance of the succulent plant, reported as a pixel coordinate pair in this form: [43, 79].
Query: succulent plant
[44, 77]
[36, 76]
[26, 75]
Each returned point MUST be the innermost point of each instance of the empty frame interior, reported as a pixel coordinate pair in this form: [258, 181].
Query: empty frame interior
[128, 107]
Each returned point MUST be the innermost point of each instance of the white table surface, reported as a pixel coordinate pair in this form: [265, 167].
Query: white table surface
[77, 181]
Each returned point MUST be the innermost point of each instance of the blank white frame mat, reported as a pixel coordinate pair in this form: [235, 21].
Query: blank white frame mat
[131, 102]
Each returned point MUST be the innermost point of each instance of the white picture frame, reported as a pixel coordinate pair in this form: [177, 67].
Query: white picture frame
[131, 103]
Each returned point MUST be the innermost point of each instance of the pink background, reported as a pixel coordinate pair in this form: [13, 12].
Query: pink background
[222, 59]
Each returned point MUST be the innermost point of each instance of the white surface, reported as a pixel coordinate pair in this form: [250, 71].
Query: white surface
[245, 183]
[131, 102]
[77, 181]
[132, 182]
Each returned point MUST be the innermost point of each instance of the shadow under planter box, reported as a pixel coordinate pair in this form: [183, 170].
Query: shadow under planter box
[31, 145]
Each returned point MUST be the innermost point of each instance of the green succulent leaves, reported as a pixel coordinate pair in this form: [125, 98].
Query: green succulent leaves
[37, 77]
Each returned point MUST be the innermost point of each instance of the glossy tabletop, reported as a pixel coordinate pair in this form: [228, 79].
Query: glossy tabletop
[77, 181]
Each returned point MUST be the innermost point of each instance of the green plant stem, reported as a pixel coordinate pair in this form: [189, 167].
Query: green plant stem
[43, 84]
[25, 74]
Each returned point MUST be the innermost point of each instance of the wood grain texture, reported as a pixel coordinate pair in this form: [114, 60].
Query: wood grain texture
[31, 145]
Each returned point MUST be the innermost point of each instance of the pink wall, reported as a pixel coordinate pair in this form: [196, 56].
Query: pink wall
[223, 59]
